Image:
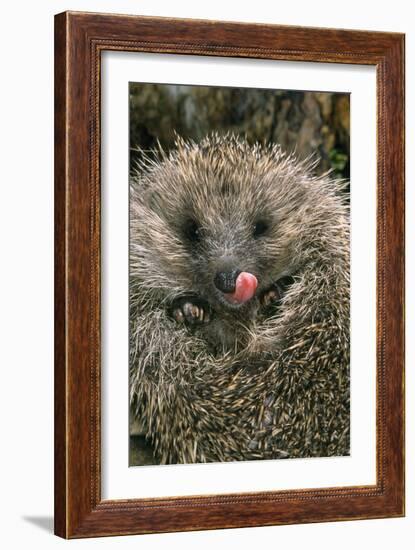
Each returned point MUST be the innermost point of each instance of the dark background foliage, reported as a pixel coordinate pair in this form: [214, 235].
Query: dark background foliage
[307, 122]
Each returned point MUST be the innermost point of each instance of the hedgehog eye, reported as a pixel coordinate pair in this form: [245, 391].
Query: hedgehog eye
[192, 231]
[260, 228]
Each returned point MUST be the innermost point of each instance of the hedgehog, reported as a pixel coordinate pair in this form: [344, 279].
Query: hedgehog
[239, 303]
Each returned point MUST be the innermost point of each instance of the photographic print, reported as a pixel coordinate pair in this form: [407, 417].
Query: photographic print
[239, 286]
[207, 228]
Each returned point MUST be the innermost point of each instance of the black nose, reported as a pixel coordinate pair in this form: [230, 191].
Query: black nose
[226, 280]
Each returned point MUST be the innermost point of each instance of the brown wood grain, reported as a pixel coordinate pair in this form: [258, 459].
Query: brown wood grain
[79, 40]
[60, 509]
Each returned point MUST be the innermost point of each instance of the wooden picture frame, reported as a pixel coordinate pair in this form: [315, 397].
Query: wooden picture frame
[79, 40]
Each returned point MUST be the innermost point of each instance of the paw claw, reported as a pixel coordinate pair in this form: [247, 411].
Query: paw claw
[178, 315]
[185, 310]
[276, 292]
[271, 297]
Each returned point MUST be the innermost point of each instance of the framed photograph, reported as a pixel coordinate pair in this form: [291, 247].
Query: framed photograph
[229, 275]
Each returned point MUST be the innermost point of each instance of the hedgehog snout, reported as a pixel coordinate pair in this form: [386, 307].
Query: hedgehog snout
[225, 281]
[237, 286]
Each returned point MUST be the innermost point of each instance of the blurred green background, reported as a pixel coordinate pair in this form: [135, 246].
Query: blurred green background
[307, 122]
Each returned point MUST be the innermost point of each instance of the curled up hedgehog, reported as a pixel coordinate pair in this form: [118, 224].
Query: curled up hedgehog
[239, 304]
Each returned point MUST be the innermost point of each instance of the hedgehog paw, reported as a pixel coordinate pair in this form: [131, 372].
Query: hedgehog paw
[189, 311]
[275, 293]
[271, 296]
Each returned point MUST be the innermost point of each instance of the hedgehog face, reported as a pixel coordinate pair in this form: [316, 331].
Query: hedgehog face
[227, 244]
[222, 220]
[231, 253]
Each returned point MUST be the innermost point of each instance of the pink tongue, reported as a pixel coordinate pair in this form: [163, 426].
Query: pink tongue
[245, 287]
